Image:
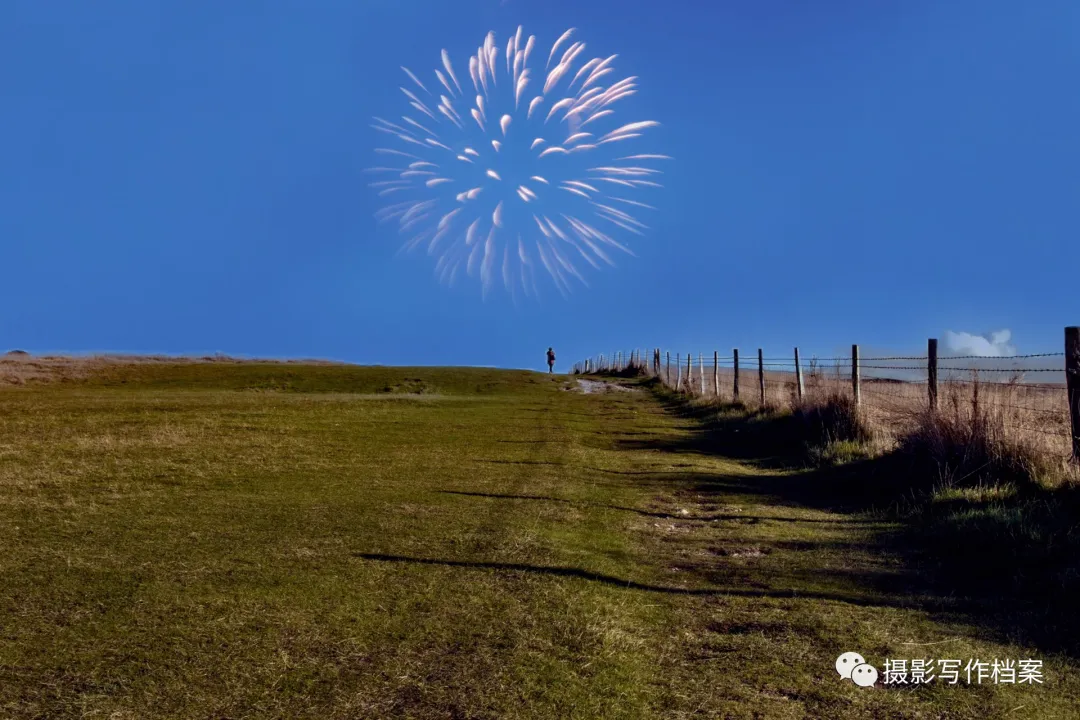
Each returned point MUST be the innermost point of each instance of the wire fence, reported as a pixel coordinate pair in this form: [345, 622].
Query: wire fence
[1037, 394]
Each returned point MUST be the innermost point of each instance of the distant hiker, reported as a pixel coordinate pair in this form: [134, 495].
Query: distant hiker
[551, 360]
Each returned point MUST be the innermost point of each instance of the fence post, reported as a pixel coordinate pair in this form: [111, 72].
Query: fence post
[716, 373]
[1072, 385]
[667, 373]
[689, 373]
[761, 375]
[678, 372]
[931, 373]
[735, 387]
[855, 374]
[798, 375]
[701, 371]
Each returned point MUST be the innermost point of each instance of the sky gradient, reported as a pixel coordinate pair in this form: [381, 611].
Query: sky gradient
[187, 177]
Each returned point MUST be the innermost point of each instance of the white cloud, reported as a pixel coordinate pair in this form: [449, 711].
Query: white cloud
[995, 344]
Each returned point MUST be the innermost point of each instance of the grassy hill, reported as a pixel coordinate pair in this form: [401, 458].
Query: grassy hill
[271, 540]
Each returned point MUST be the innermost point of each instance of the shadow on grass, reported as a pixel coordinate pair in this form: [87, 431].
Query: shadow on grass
[571, 572]
[661, 515]
[1012, 556]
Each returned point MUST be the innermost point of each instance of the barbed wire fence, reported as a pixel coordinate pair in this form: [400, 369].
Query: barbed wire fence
[1037, 394]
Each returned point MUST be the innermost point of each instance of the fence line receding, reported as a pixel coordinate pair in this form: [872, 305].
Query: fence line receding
[1038, 393]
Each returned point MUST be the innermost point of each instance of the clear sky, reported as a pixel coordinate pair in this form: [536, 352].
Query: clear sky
[187, 176]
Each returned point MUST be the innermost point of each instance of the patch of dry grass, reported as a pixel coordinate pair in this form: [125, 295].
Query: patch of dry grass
[981, 429]
[18, 367]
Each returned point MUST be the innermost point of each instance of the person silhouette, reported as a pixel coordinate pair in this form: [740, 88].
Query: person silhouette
[551, 360]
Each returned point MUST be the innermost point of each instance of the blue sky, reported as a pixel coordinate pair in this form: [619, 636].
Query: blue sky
[188, 176]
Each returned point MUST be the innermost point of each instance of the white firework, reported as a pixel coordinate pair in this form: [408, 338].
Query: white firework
[511, 170]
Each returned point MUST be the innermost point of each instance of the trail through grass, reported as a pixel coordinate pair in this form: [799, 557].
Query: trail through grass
[250, 541]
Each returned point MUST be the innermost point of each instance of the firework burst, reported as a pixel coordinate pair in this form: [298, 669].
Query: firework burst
[510, 170]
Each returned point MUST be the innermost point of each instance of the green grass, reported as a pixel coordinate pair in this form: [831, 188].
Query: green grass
[260, 541]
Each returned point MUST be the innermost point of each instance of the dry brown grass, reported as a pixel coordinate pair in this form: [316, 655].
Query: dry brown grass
[1011, 429]
[18, 367]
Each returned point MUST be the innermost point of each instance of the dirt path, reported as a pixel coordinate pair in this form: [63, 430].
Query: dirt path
[764, 593]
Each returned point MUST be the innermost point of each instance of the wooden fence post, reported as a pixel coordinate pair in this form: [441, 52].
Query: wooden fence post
[1072, 385]
[798, 375]
[735, 387]
[716, 373]
[678, 371]
[701, 371]
[855, 374]
[667, 373]
[931, 373]
[689, 374]
[761, 375]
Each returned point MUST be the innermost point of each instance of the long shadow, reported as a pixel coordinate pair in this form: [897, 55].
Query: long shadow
[650, 473]
[730, 431]
[521, 462]
[579, 573]
[662, 515]
[1024, 575]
